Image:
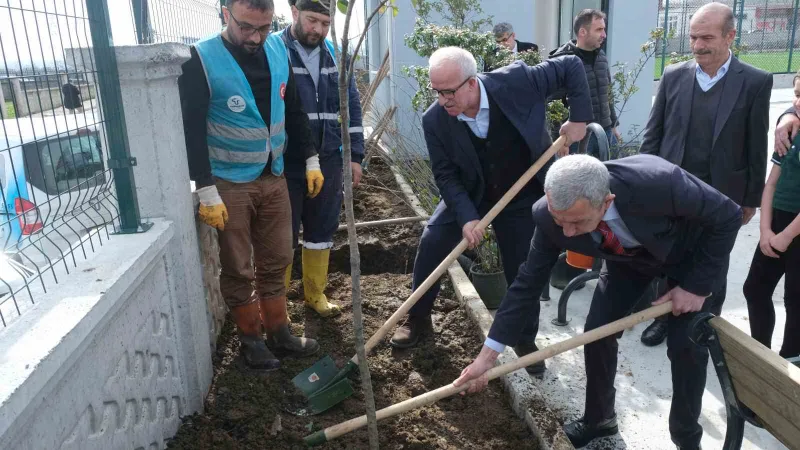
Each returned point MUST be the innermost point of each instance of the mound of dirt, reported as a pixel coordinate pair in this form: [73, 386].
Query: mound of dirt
[245, 411]
[248, 411]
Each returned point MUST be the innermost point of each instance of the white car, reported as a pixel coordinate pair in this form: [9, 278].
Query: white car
[54, 186]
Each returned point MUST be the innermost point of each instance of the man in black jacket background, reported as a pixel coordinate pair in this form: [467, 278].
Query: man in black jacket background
[589, 27]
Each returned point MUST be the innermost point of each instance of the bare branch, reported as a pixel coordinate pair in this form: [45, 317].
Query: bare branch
[361, 38]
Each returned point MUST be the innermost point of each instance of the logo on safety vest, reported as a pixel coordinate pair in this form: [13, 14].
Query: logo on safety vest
[236, 104]
[283, 91]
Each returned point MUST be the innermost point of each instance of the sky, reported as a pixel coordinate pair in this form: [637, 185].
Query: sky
[36, 32]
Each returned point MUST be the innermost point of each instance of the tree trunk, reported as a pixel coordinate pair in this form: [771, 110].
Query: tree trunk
[345, 74]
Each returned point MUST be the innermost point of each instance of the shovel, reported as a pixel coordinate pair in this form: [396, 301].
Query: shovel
[332, 432]
[324, 385]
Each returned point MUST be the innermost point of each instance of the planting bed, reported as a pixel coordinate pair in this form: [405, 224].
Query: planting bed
[245, 411]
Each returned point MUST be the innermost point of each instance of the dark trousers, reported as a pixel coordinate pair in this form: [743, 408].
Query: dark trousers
[765, 273]
[319, 215]
[514, 230]
[619, 288]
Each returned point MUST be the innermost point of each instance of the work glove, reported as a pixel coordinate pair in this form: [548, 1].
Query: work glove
[314, 176]
[212, 211]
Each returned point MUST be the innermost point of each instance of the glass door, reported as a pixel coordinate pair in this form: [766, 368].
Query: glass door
[567, 12]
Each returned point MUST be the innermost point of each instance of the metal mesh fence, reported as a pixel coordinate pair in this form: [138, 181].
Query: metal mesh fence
[184, 21]
[766, 37]
[58, 197]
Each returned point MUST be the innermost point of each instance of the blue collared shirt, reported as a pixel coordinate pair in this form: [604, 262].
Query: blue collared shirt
[626, 238]
[705, 81]
[618, 227]
[480, 124]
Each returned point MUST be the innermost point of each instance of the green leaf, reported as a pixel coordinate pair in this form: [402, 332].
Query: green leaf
[395, 11]
[342, 5]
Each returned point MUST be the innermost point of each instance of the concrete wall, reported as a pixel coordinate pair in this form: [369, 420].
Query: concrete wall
[5, 88]
[45, 99]
[96, 363]
[148, 79]
[120, 350]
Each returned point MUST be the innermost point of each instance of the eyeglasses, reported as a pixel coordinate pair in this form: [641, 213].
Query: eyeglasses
[248, 29]
[503, 40]
[448, 93]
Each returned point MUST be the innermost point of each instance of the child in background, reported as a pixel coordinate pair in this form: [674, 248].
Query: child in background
[778, 252]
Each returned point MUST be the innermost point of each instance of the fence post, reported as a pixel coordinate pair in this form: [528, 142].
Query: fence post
[740, 4]
[666, 39]
[3, 107]
[114, 117]
[794, 30]
[141, 18]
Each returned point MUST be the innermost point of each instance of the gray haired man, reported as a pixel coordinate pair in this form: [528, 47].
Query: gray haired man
[505, 36]
[646, 218]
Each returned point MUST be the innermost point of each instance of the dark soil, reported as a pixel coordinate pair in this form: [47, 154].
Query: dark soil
[246, 411]
[389, 248]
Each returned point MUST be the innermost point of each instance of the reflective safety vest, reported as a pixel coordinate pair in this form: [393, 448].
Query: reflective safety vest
[239, 142]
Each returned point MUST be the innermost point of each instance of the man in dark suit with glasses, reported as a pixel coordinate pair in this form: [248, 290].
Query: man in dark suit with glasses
[483, 133]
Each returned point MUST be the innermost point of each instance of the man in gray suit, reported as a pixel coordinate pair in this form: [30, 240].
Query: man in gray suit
[711, 118]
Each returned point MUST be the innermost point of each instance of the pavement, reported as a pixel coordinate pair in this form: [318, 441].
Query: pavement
[643, 375]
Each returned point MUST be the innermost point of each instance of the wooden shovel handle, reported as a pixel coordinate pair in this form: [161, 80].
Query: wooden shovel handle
[498, 371]
[442, 268]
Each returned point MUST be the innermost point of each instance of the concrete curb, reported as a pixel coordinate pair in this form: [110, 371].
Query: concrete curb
[523, 393]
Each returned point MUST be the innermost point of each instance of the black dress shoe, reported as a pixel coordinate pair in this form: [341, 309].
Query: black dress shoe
[524, 348]
[580, 433]
[655, 333]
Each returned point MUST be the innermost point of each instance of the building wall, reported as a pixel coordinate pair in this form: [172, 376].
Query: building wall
[626, 34]
[46, 99]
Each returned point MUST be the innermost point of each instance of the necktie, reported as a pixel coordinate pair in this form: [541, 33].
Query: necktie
[610, 242]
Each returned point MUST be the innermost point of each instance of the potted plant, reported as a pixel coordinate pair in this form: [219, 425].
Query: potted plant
[487, 271]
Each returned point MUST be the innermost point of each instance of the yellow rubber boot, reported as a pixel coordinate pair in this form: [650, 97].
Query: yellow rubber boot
[288, 277]
[315, 278]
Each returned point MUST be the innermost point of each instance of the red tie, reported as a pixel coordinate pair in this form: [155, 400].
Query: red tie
[610, 242]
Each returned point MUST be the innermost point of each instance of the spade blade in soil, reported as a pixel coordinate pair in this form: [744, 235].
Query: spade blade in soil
[316, 377]
[330, 396]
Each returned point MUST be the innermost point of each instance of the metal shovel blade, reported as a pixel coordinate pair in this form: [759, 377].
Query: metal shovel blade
[316, 377]
[330, 396]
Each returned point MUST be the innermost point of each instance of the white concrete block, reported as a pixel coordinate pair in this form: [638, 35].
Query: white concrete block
[148, 80]
[94, 364]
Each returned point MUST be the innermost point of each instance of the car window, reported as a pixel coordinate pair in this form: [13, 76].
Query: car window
[56, 166]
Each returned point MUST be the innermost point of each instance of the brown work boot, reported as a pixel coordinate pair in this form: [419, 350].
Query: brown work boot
[253, 351]
[409, 332]
[279, 337]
